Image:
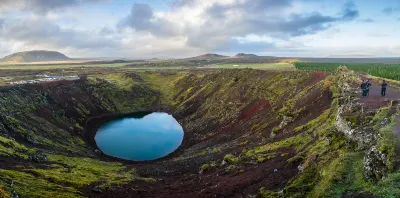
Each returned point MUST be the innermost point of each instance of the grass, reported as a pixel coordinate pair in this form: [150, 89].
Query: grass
[11, 148]
[121, 80]
[66, 176]
[254, 66]
[78, 172]
[28, 185]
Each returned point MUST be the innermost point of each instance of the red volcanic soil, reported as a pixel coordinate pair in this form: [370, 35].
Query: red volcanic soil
[247, 180]
[254, 108]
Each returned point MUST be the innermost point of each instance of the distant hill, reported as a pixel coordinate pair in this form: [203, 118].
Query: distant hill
[243, 55]
[208, 57]
[35, 56]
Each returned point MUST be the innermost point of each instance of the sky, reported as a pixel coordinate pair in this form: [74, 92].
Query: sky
[186, 28]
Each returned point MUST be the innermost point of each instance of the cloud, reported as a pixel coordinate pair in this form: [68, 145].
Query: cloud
[42, 6]
[40, 31]
[142, 18]
[234, 45]
[350, 11]
[367, 20]
[211, 25]
[390, 10]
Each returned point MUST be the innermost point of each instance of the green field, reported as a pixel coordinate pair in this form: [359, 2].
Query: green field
[253, 66]
[389, 71]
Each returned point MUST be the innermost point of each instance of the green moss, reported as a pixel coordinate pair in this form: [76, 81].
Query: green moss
[244, 143]
[11, 148]
[275, 130]
[381, 114]
[267, 193]
[298, 142]
[264, 157]
[231, 168]
[28, 185]
[341, 175]
[389, 143]
[205, 167]
[231, 159]
[78, 172]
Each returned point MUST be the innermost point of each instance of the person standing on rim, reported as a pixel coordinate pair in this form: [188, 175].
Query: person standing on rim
[364, 88]
[368, 86]
[383, 90]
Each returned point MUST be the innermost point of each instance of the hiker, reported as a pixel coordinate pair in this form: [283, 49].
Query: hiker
[383, 90]
[368, 86]
[364, 88]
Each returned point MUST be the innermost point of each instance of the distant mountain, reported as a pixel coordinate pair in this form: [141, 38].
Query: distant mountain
[243, 55]
[208, 57]
[35, 56]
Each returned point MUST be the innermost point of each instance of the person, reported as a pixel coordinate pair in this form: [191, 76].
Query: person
[383, 90]
[364, 88]
[368, 86]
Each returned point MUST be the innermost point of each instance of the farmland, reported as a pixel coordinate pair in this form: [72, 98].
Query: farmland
[254, 66]
[389, 71]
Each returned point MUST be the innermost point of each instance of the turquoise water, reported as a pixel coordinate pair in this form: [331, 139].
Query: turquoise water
[140, 137]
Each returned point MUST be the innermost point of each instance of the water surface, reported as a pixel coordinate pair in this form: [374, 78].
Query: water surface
[140, 137]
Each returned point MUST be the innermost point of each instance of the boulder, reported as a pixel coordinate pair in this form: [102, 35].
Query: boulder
[38, 157]
[374, 164]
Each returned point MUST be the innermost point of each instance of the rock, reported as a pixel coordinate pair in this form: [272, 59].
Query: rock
[272, 135]
[223, 163]
[97, 151]
[97, 190]
[38, 157]
[30, 138]
[328, 140]
[285, 121]
[384, 122]
[374, 164]
[300, 168]
[281, 193]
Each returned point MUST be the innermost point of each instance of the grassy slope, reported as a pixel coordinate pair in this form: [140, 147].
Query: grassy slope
[72, 167]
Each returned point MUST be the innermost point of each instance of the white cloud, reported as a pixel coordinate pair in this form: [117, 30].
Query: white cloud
[187, 28]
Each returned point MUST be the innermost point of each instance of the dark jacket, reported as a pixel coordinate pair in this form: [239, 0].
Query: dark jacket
[384, 85]
[364, 85]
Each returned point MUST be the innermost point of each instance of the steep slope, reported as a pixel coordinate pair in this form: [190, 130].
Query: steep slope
[35, 56]
[247, 132]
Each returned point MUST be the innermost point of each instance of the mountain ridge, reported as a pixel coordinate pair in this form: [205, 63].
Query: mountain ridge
[35, 56]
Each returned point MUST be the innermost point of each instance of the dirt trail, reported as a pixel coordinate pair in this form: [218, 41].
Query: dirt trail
[375, 100]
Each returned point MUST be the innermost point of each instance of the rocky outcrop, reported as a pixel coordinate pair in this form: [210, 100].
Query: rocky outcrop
[375, 166]
[363, 137]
